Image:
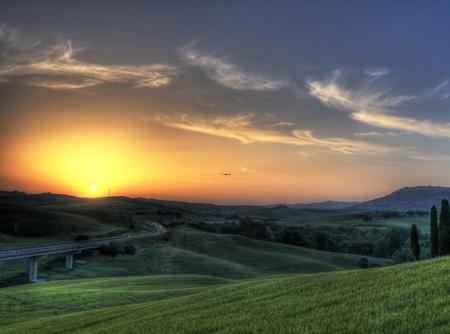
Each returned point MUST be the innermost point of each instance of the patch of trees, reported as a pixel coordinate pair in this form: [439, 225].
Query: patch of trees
[439, 242]
[398, 214]
[414, 242]
[346, 239]
[113, 249]
[175, 214]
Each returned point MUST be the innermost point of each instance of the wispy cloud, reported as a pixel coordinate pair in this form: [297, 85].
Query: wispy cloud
[380, 134]
[242, 128]
[424, 127]
[304, 154]
[53, 64]
[67, 84]
[228, 74]
[377, 71]
[431, 157]
[283, 124]
[373, 106]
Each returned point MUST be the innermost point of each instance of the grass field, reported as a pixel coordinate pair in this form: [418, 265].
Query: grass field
[408, 298]
[23, 302]
[189, 251]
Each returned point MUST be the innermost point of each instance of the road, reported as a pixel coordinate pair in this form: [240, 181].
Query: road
[75, 246]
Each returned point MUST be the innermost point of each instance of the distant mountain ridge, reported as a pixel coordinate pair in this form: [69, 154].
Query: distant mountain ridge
[420, 198]
[324, 205]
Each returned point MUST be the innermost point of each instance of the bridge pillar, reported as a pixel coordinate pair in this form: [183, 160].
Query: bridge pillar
[69, 261]
[33, 269]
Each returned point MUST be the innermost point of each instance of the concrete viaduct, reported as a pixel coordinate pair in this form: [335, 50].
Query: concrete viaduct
[69, 248]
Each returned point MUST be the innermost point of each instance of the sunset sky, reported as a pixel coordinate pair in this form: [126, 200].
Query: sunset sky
[298, 100]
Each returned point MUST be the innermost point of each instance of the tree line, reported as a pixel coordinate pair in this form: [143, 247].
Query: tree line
[386, 243]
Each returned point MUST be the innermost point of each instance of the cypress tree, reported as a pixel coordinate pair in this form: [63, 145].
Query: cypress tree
[443, 234]
[434, 232]
[414, 240]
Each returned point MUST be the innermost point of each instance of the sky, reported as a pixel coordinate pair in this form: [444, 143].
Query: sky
[298, 101]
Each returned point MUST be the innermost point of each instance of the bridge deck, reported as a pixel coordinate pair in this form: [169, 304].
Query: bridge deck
[72, 246]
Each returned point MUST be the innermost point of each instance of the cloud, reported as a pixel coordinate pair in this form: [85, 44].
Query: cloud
[62, 84]
[424, 127]
[241, 128]
[230, 75]
[431, 157]
[380, 134]
[283, 124]
[304, 154]
[372, 106]
[52, 63]
[377, 71]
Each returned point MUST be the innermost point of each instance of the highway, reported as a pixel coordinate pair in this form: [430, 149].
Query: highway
[74, 246]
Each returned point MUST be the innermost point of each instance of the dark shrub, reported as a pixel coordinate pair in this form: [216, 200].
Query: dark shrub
[130, 250]
[111, 249]
[81, 237]
[363, 263]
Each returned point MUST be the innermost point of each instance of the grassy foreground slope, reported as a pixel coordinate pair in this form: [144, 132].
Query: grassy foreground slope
[409, 298]
[20, 303]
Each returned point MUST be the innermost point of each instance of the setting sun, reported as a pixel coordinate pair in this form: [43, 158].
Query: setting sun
[93, 188]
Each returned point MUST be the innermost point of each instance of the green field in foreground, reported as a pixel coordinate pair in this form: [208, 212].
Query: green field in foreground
[407, 298]
[190, 251]
[20, 303]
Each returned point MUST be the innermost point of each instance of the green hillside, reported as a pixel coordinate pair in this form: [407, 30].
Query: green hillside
[189, 251]
[20, 303]
[408, 298]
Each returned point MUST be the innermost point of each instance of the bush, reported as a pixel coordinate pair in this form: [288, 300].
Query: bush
[403, 255]
[111, 249]
[130, 250]
[81, 237]
[363, 263]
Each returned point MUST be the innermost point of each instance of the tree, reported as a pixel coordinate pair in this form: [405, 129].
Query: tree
[414, 241]
[434, 236]
[394, 242]
[268, 234]
[444, 222]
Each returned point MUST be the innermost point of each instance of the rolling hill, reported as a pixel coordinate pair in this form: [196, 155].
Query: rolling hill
[189, 251]
[408, 298]
[420, 198]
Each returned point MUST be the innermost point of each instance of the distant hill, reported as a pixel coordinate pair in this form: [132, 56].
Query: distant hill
[325, 205]
[419, 198]
[408, 199]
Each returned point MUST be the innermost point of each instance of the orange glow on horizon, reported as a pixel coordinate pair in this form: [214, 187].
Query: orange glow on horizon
[87, 163]
[68, 153]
